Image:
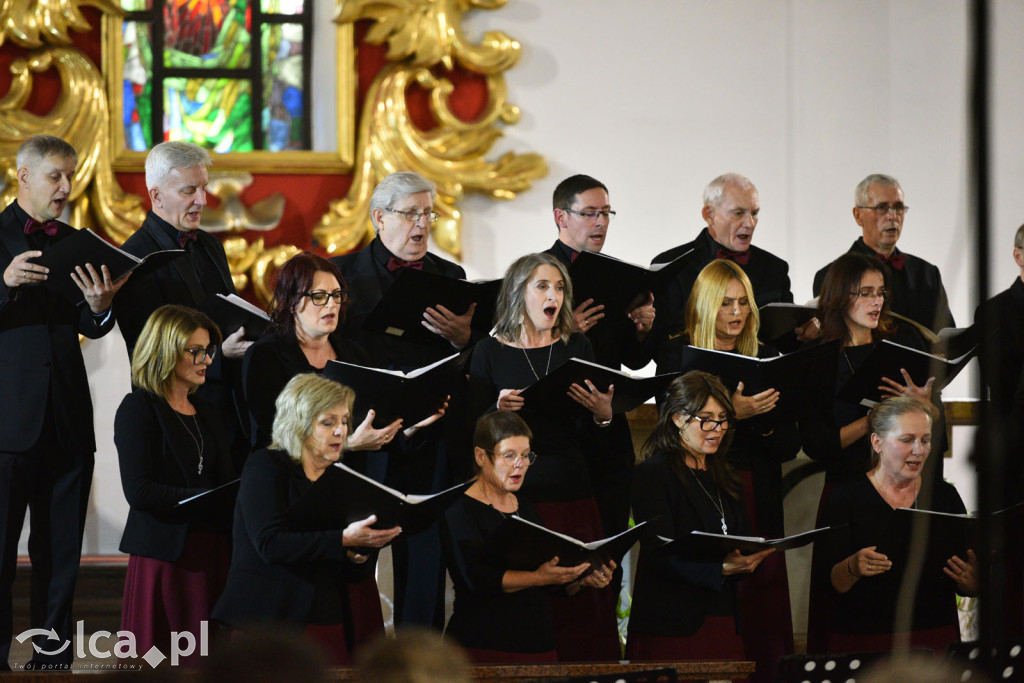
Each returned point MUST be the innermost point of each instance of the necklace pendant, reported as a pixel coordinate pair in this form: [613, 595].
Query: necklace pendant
[199, 469]
[725, 527]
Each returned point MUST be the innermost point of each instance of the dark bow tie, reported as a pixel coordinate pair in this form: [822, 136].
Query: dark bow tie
[573, 255]
[896, 261]
[394, 263]
[186, 236]
[49, 227]
[740, 257]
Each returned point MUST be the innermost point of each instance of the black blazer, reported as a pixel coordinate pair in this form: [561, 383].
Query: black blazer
[367, 279]
[768, 274]
[1004, 314]
[175, 283]
[268, 366]
[671, 596]
[40, 355]
[918, 293]
[155, 475]
[274, 568]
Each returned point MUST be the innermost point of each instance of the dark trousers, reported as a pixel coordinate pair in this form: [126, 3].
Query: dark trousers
[55, 489]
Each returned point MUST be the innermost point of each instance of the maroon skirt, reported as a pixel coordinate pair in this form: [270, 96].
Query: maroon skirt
[331, 639]
[936, 639]
[367, 618]
[715, 640]
[478, 656]
[585, 624]
[160, 597]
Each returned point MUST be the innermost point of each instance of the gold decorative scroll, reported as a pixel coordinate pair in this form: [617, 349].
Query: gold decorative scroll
[422, 34]
[33, 23]
[80, 116]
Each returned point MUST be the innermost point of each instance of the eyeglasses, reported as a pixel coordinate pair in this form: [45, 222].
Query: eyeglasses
[200, 354]
[511, 456]
[868, 293]
[709, 425]
[592, 215]
[415, 216]
[884, 208]
[320, 297]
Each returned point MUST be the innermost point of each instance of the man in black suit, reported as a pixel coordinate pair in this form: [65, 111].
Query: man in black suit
[918, 293]
[731, 209]
[582, 212]
[176, 178]
[46, 429]
[402, 210]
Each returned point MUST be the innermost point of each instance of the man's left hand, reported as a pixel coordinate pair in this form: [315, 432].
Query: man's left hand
[455, 328]
[98, 289]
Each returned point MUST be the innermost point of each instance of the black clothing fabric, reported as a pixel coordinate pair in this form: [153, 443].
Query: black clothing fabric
[869, 606]
[768, 274]
[672, 596]
[160, 466]
[560, 472]
[484, 616]
[918, 293]
[46, 437]
[279, 574]
[268, 366]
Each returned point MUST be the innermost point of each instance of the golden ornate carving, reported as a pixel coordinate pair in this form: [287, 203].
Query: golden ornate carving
[422, 34]
[232, 215]
[31, 23]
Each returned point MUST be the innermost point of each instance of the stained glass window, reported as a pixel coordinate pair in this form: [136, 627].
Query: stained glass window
[230, 75]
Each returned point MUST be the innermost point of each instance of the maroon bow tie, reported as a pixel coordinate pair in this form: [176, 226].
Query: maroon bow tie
[740, 257]
[186, 236]
[49, 227]
[896, 261]
[395, 263]
[573, 255]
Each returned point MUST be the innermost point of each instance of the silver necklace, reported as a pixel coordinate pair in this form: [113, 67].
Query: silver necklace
[198, 442]
[551, 347]
[718, 506]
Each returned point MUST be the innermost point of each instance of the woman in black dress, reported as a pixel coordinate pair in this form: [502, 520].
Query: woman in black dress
[286, 576]
[171, 446]
[501, 615]
[534, 334]
[684, 609]
[721, 314]
[853, 307]
[867, 582]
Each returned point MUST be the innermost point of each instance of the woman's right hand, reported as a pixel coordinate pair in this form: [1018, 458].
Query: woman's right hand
[366, 438]
[550, 574]
[756, 404]
[360, 535]
[738, 563]
[868, 562]
[509, 399]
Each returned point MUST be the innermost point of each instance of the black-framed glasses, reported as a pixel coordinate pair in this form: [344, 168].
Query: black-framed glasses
[415, 216]
[592, 214]
[868, 293]
[511, 456]
[709, 425]
[884, 208]
[200, 354]
[320, 297]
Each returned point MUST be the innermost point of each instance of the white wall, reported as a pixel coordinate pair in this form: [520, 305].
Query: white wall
[655, 98]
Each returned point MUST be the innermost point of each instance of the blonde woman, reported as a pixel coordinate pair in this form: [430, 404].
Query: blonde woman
[171, 446]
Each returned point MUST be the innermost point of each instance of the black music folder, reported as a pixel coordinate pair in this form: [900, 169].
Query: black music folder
[342, 496]
[520, 544]
[616, 283]
[949, 534]
[392, 394]
[232, 312]
[551, 391]
[805, 379]
[886, 360]
[704, 546]
[218, 499]
[85, 246]
[400, 311]
[778, 319]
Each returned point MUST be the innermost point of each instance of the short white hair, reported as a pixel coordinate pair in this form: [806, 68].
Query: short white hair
[860, 195]
[396, 187]
[168, 156]
[716, 188]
